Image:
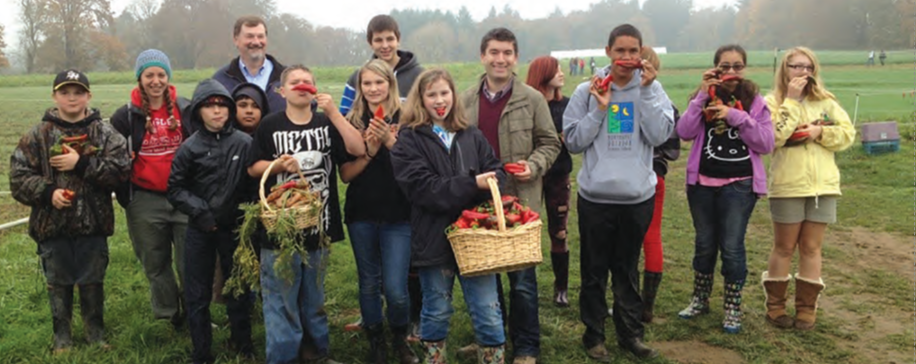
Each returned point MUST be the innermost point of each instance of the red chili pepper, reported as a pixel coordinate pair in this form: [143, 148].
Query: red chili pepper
[306, 87]
[712, 92]
[798, 135]
[514, 168]
[605, 83]
[508, 200]
[440, 111]
[380, 112]
[69, 195]
[731, 77]
[76, 138]
[288, 185]
[462, 224]
[511, 218]
[633, 63]
[474, 215]
[531, 217]
[517, 207]
[738, 105]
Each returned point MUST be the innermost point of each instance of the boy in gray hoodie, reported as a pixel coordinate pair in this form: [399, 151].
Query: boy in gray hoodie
[616, 129]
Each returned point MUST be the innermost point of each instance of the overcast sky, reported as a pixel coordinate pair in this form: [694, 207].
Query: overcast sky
[355, 14]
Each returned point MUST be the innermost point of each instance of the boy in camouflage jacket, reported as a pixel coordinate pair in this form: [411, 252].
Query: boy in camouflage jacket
[66, 168]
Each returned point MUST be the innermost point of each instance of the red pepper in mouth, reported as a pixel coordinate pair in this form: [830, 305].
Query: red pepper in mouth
[440, 111]
[633, 63]
[731, 77]
[305, 87]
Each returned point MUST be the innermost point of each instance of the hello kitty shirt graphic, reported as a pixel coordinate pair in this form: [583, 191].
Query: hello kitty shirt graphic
[725, 147]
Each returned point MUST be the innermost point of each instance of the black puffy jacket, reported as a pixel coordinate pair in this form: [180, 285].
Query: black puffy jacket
[439, 184]
[209, 168]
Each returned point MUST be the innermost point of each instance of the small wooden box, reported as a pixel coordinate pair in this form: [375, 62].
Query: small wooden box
[880, 137]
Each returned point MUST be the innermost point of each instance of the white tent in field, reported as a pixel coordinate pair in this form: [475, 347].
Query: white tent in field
[597, 52]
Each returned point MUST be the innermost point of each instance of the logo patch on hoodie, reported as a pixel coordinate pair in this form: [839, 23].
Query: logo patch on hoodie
[620, 118]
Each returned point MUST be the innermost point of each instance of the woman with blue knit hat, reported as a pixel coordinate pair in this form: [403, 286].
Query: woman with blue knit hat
[151, 123]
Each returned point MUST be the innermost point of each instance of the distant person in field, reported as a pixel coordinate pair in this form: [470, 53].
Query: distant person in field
[546, 76]
[592, 64]
[616, 129]
[729, 124]
[254, 65]
[68, 187]
[384, 37]
[153, 126]
[871, 58]
[804, 184]
[882, 57]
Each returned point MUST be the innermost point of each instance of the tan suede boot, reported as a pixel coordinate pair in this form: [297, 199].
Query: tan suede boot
[777, 293]
[807, 291]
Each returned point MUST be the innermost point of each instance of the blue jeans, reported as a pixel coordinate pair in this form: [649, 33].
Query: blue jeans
[479, 295]
[201, 250]
[720, 218]
[294, 309]
[382, 253]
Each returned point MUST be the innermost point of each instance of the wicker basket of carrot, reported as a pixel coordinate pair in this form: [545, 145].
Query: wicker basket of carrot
[496, 236]
[294, 201]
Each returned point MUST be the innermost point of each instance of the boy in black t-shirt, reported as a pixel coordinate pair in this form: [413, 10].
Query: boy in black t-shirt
[293, 308]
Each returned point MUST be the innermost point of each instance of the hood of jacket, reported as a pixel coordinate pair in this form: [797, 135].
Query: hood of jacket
[52, 115]
[206, 89]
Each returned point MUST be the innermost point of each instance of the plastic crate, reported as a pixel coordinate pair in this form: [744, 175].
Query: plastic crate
[879, 147]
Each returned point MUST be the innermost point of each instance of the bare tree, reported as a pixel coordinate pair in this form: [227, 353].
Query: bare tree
[32, 17]
[70, 21]
[4, 62]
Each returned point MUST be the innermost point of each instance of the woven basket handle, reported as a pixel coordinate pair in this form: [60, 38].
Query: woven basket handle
[497, 203]
[264, 180]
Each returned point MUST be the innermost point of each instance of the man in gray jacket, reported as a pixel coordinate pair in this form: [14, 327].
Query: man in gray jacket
[616, 129]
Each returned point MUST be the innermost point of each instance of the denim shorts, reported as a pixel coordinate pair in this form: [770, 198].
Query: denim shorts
[794, 210]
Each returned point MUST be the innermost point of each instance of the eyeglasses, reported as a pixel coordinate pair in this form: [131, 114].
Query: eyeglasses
[799, 67]
[737, 67]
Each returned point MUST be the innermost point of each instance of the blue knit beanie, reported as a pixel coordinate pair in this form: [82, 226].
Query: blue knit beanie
[153, 58]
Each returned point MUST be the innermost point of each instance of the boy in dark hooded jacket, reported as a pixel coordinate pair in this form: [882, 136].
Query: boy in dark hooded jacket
[206, 173]
[65, 168]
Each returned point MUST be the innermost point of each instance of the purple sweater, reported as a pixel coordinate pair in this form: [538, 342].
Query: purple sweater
[754, 128]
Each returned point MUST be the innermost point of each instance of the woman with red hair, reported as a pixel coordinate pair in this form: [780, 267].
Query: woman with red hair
[545, 75]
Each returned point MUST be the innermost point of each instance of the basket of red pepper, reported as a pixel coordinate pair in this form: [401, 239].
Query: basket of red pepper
[292, 202]
[497, 236]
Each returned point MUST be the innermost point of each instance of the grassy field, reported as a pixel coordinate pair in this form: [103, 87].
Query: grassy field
[866, 314]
